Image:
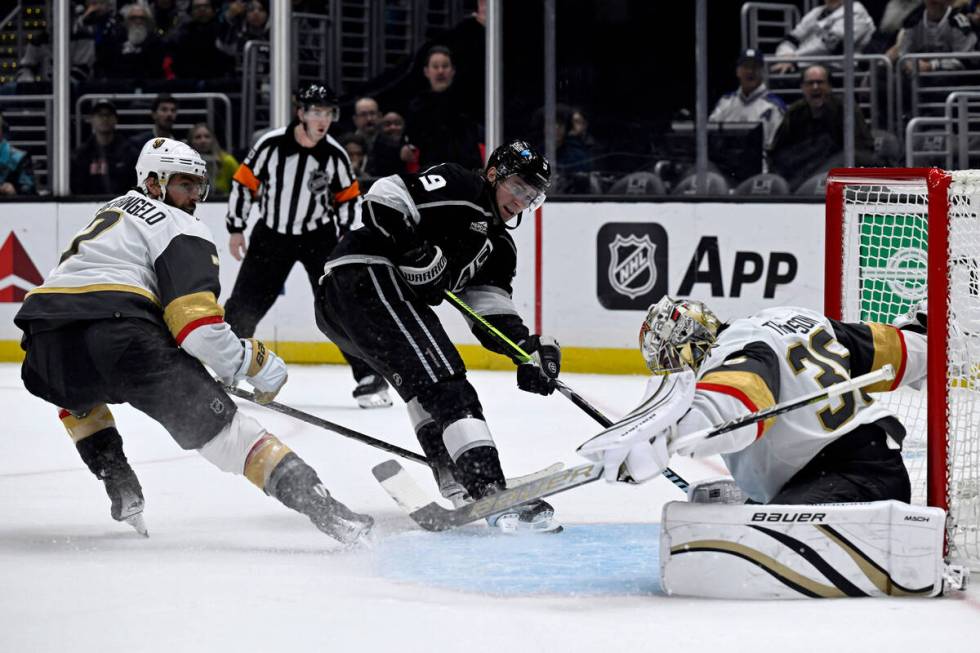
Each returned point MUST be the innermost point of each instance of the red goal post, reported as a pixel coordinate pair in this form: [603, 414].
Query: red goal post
[895, 236]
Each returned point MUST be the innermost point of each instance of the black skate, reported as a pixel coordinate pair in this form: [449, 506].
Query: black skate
[372, 392]
[125, 495]
[532, 517]
[337, 520]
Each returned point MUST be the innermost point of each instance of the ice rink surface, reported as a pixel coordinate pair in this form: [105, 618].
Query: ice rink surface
[229, 569]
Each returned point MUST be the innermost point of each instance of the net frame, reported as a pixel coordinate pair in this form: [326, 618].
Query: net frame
[936, 184]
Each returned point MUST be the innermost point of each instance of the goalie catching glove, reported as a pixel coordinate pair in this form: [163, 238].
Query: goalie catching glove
[263, 369]
[539, 376]
[425, 270]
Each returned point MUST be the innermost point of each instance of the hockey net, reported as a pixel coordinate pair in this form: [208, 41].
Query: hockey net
[896, 237]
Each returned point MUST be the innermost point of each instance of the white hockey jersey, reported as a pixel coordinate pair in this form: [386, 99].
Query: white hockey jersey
[783, 353]
[758, 106]
[821, 31]
[140, 258]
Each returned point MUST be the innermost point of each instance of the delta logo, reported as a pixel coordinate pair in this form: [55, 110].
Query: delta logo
[18, 274]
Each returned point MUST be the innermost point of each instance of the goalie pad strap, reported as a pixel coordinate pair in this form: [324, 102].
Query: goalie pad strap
[881, 548]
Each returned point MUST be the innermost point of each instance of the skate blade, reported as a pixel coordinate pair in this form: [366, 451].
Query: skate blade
[512, 525]
[377, 400]
[137, 522]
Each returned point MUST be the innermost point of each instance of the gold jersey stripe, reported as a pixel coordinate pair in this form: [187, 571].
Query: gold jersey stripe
[743, 385]
[96, 287]
[191, 308]
[263, 458]
[889, 350]
[79, 428]
[773, 566]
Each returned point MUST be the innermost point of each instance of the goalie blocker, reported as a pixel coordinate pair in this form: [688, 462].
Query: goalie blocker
[881, 548]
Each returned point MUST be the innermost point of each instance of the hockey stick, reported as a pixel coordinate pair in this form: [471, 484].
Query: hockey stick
[433, 517]
[330, 426]
[560, 385]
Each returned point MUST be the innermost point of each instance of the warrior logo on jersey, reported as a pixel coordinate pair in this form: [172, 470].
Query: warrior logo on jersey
[632, 260]
[319, 182]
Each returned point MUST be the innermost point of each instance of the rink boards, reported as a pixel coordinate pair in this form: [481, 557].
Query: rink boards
[586, 272]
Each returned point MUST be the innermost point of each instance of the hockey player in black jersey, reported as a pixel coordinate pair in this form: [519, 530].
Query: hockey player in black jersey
[130, 315]
[420, 235]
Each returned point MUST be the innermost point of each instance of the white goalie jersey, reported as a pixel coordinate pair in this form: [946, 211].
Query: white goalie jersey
[783, 353]
[141, 258]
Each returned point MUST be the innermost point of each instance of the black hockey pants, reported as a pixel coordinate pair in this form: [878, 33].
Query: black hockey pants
[270, 258]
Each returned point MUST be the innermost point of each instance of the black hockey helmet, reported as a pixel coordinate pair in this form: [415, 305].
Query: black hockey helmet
[518, 162]
[519, 158]
[316, 94]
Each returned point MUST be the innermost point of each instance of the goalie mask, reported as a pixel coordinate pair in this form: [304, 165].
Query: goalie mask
[165, 157]
[677, 334]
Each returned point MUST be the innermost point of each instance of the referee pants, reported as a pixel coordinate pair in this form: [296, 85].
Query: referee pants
[267, 263]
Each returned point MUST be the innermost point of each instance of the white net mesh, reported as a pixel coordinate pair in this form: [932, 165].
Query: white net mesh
[884, 275]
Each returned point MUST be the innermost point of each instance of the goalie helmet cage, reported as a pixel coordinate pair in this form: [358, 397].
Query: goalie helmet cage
[894, 237]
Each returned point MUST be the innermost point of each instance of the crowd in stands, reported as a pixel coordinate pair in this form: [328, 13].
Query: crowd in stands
[200, 41]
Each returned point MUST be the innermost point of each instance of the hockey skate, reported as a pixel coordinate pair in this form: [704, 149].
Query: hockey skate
[372, 392]
[337, 520]
[532, 517]
[125, 495]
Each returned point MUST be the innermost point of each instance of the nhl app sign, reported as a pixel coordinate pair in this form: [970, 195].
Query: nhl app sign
[632, 265]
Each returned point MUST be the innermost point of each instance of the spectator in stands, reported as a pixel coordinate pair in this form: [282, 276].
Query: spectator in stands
[752, 102]
[16, 169]
[168, 17]
[366, 118]
[164, 115]
[934, 27]
[243, 22]
[357, 149]
[435, 124]
[575, 144]
[821, 32]
[93, 24]
[195, 46]
[811, 136]
[892, 17]
[220, 164]
[385, 156]
[103, 165]
[133, 50]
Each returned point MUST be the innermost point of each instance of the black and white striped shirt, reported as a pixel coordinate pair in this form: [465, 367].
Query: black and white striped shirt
[299, 189]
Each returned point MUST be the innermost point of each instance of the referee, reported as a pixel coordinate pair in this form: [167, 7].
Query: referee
[307, 194]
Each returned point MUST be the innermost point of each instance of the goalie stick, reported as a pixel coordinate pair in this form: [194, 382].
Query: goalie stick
[560, 385]
[433, 517]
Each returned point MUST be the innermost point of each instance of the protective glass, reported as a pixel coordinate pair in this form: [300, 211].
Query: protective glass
[201, 185]
[529, 197]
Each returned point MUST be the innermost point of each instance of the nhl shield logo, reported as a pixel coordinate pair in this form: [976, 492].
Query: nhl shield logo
[632, 271]
[319, 182]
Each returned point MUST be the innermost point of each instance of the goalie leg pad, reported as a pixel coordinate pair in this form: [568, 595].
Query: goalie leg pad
[882, 548]
[242, 447]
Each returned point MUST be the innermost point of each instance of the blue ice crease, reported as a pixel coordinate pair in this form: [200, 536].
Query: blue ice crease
[585, 560]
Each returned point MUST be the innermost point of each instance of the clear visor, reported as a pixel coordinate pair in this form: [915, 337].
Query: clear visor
[526, 196]
[321, 112]
[195, 186]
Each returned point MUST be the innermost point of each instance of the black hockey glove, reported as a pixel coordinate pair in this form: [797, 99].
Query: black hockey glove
[539, 376]
[424, 269]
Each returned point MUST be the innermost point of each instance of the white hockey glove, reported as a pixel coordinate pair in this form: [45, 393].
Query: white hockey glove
[263, 369]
